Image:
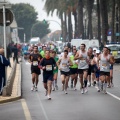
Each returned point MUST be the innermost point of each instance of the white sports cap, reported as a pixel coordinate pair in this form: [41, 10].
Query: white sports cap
[94, 49]
[98, 51]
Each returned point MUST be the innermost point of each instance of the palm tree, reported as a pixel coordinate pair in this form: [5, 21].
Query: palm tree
[104, 16]
[113, 20]
[89, 8]
[80, 19]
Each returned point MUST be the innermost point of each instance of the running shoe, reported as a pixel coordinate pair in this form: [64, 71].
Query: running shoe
[108, 86]
[65, 92]
[82, 91]
[104, 91]
[33, 88]
[49, 98]
[46, 93]
[98, 89]
[89, 85]
[75, 88]
[53, 89]
[85, 90]
[36, 89]
[112, 85]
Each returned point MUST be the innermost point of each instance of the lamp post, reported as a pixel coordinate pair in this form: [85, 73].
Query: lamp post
[85, 27]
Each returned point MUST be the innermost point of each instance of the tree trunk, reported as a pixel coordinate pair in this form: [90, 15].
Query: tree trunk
[113, 21]
[104, 15]
[75, 19]
[80, 20]
[69, 27]
[90, 7]
[119, 19]
[99, 27]
[62, 25]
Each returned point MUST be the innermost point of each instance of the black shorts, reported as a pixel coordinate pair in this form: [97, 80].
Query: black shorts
[35, 70]
[65, 73]
[104, 73]
[47, 77]
[73, 71]
[91, 69]
[80, 71]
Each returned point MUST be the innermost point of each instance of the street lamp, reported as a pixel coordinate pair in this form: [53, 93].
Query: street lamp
[85, 27]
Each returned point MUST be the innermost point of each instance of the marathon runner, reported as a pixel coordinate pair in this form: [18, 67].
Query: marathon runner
[105, 60]
[74, 69]
[83, 66]
[63, 65]
[34, 59]
[48, 65]
[55, 72]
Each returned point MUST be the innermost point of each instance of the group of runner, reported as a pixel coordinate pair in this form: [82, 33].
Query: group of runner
[90, 66]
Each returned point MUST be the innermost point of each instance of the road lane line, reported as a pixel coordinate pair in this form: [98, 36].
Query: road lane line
[26, 110]
[45, 114]
[113, 95]
[116, 97]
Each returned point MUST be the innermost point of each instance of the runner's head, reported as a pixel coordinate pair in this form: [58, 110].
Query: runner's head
[43, 48]
[82, 46]
[74, 51]
[47, 54]
[65, 53]
[97, 52]
[90, 51]
[109, 51]
[66, 48]
[35, 48]
[53, 54]
[105, 50]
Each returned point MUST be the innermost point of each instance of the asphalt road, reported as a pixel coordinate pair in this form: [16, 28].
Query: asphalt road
[73, 106]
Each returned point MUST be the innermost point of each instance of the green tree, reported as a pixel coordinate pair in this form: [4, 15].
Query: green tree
[26, 16]
[40, 29]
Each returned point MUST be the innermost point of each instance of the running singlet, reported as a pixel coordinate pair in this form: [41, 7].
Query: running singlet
[64, 65]
[82, 63]
[104, 64]
[34, 59]
[49, 65]
[74, 62]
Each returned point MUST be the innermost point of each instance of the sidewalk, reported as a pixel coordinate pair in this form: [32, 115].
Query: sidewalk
[16, 91]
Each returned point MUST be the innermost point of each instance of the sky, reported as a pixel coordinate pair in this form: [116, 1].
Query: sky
[39, 7]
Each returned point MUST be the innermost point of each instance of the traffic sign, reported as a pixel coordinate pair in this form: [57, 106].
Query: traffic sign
[117, 34]
[9, 17]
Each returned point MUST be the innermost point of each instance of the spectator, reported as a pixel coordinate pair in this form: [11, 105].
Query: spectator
[3, 63]
[15, 51]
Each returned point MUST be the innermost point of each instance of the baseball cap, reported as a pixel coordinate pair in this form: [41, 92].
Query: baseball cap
[94, 49]
[98, 51]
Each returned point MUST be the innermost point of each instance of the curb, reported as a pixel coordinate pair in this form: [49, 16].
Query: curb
[19, 96]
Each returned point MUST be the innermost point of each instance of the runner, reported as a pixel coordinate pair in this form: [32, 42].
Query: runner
[97, 71]
[63, 65]
[73, 70]
[83, 66]
[91, 73]
[48, 65]
[110, 81]
[105, 60]
[55, 72]
[34, 59]
[42, 53]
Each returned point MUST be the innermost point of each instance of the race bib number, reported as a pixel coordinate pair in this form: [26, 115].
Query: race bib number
[48, 67]
[64, 64]
[104, 66]
[82, 61]
[35, 63]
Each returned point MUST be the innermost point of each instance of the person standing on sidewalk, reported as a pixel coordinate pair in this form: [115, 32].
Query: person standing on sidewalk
[15, 51]
[48, 65]
[3, 63]
[35, 59]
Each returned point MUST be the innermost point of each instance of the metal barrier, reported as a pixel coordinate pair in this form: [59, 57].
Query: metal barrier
[7, 90]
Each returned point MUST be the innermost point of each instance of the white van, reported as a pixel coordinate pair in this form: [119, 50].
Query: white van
[34, 40]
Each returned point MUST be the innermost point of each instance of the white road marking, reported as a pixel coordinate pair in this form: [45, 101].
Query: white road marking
[113, 95]
[26, 110]
[46, 117]
[116, 97]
